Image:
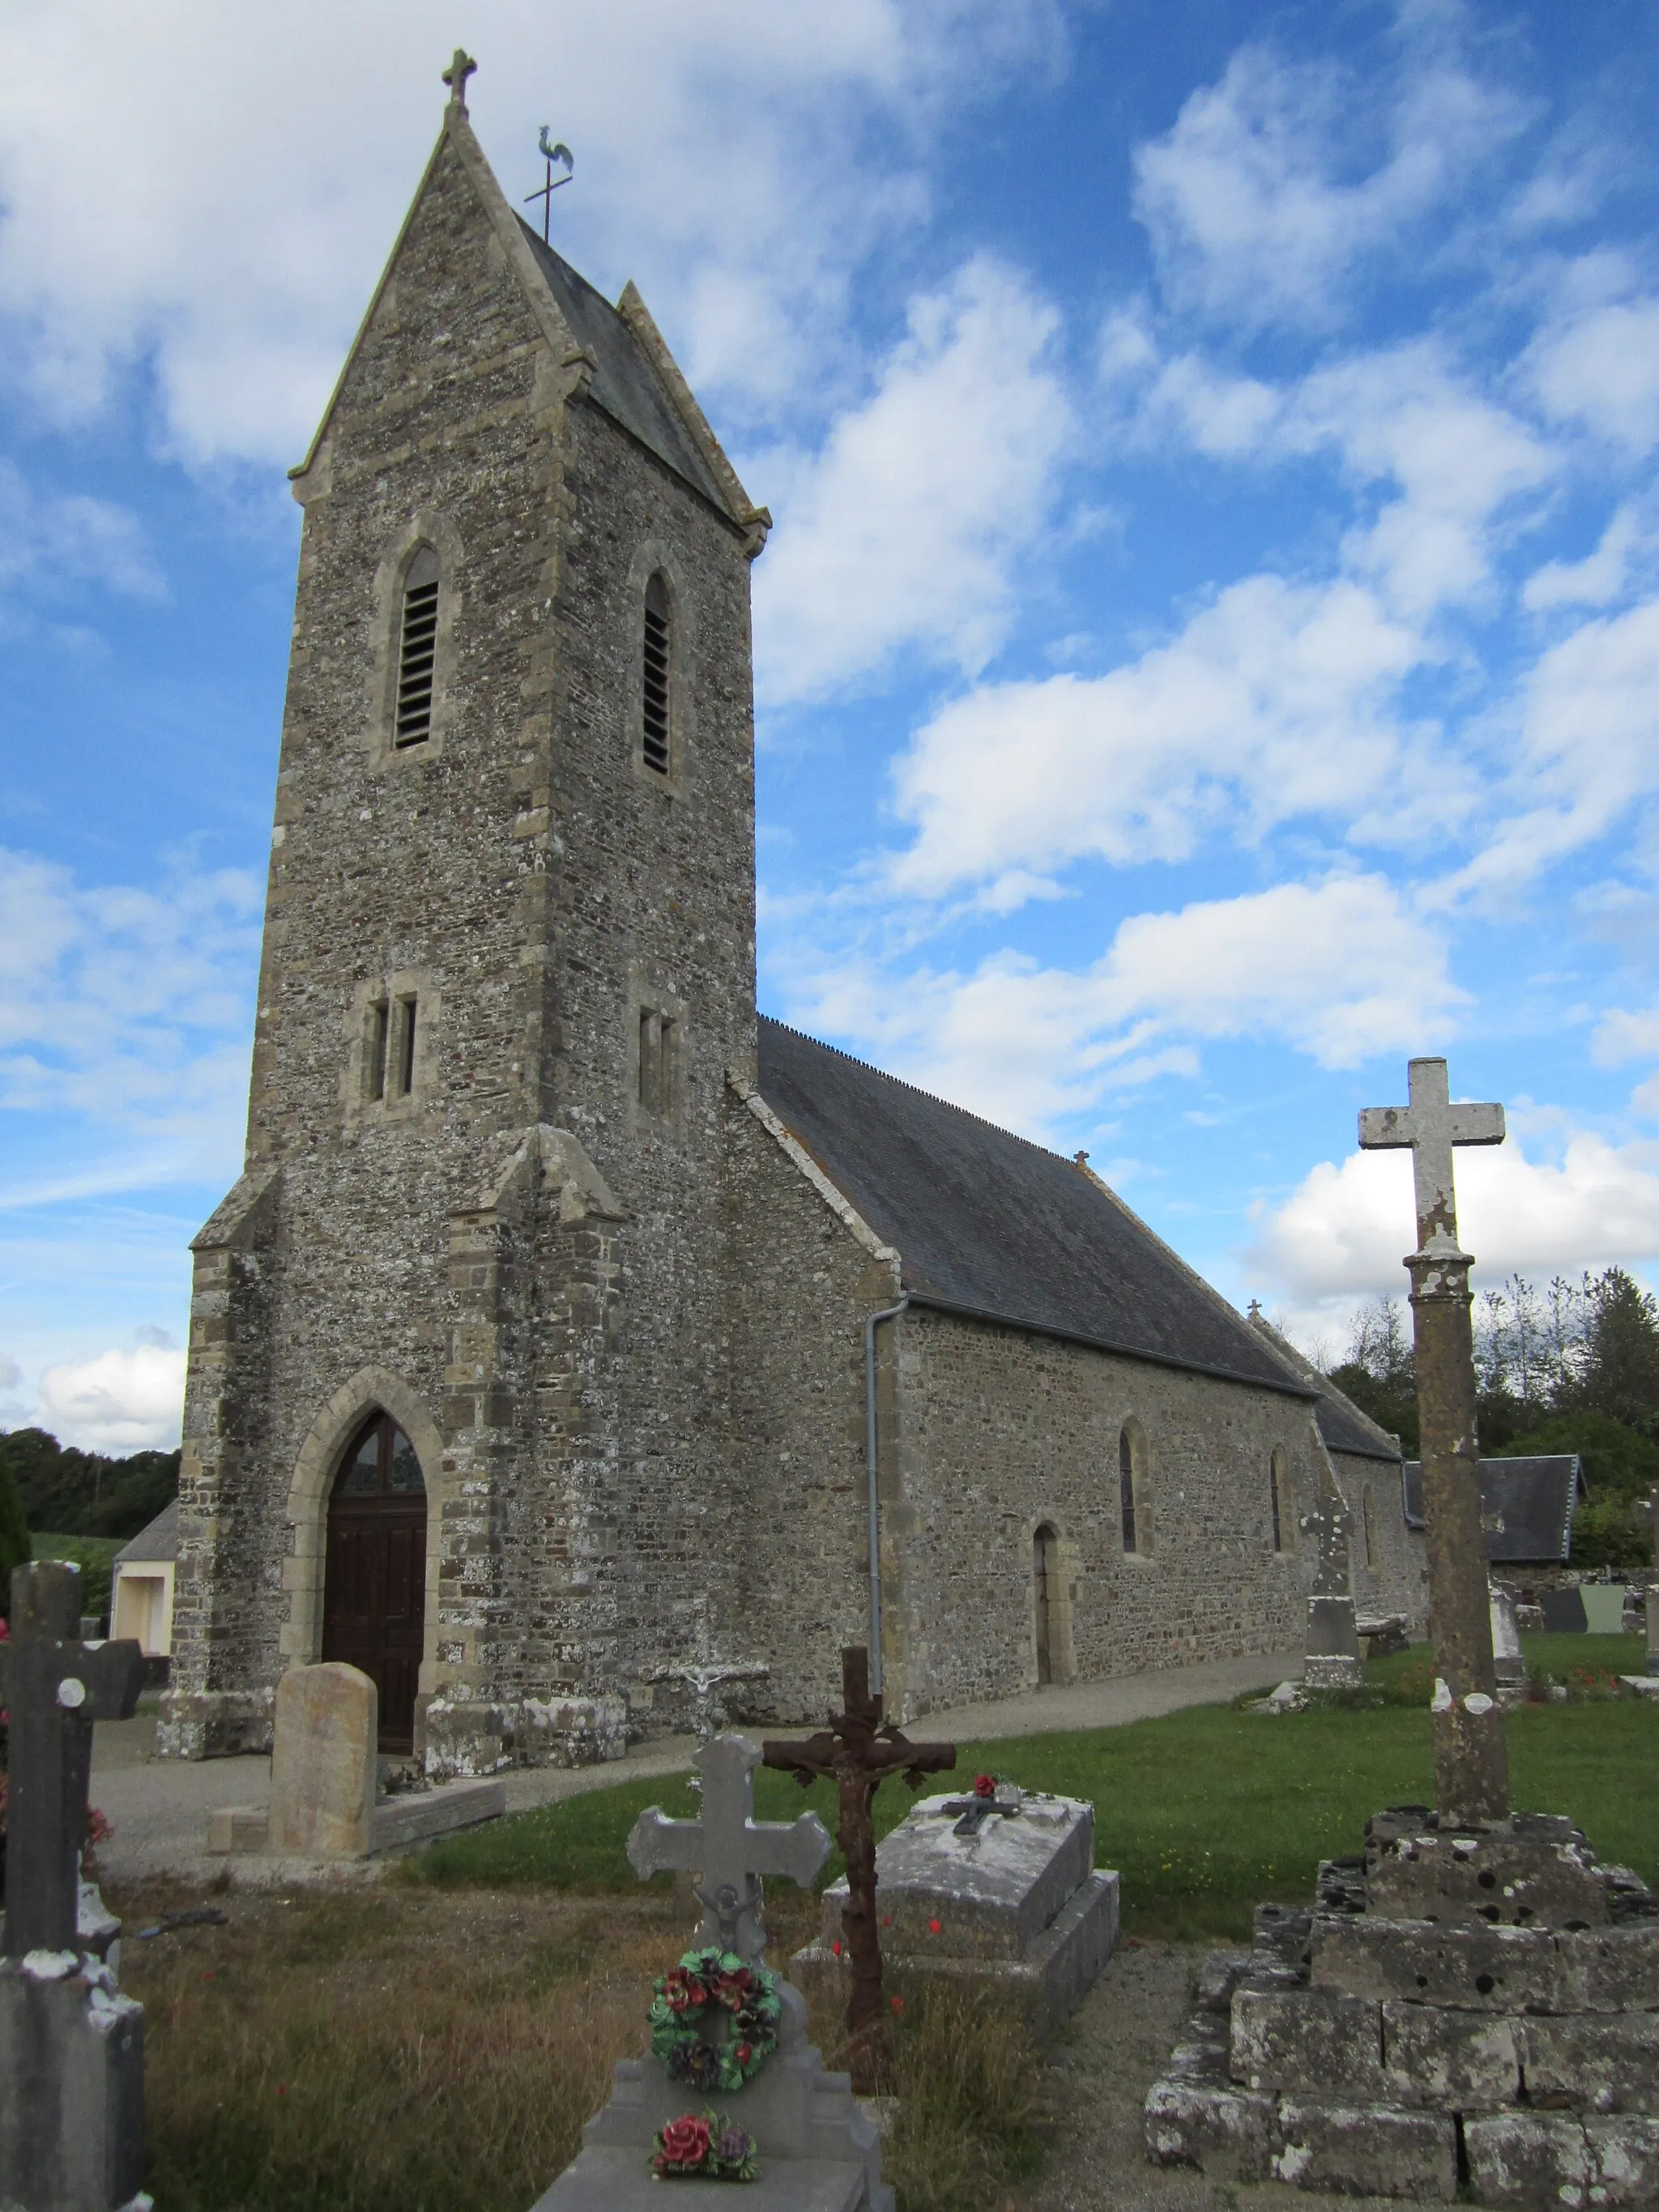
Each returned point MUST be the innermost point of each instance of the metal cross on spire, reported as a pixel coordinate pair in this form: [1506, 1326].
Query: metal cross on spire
[455, 77]
[1471, 1754]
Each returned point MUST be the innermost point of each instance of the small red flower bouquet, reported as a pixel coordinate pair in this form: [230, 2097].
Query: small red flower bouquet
[703, 2146]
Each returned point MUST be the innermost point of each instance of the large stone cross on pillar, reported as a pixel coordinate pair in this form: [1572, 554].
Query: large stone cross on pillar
[1471, 1756]
[729, 1847]
[54, 1687]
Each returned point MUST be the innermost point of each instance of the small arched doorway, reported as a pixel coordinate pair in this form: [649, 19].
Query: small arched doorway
[1045, 1567]
[374, 1587]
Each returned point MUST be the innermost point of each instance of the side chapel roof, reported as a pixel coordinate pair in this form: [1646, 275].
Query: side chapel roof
[988, 1224]
[156, 1540]
[1343, 1425]
[1525, 1505]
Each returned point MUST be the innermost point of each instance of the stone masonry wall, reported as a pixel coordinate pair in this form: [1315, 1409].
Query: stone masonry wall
[1002, 1431]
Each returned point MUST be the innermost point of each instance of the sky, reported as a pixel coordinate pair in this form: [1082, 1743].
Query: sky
[1207, 652]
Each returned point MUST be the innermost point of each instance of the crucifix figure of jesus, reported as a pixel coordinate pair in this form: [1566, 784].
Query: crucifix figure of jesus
[1471, 1755]
[728, 1848]
[859, 1752]
[53, 1687]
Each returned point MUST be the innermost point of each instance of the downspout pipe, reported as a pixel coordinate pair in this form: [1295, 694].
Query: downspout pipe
[872, 1323]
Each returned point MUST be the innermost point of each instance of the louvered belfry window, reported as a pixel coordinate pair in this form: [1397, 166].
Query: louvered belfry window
[655, 736]
[417, 646]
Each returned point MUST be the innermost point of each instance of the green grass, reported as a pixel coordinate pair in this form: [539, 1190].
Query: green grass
[1206, 1813]
[93, 1555]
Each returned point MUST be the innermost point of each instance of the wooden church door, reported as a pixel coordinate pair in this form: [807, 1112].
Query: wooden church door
[374, 1589]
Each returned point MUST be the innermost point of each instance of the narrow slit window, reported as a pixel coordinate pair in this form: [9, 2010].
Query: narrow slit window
[655, 734]
[659, 1047]
[375, 1049]
[417, 646]
[406, 1010]
[1126, 1488]
[1281, 1500]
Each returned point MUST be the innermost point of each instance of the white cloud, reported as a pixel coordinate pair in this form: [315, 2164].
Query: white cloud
[1620, 1037]
[118, 1402]
[1339, 970]
[905, 529]
[1588, 748]
[1344, 1231]
[1595, 580]
[239, 232]
[1256, 207]
[47, 540]
[1602, 369]
[130, 1008]
[1270, 704]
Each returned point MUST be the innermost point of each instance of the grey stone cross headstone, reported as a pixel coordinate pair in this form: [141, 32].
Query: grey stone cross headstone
[54, 1687]
[728, 1848]
[1471, 1757]
[1332, 1659]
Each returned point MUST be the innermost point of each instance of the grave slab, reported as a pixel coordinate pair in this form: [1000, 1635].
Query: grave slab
[1009, 1897]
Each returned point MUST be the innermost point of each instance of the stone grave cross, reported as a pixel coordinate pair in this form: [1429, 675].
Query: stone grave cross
[1471, 1756]
[858, 1752]
[729, 1847]
[53, 1686]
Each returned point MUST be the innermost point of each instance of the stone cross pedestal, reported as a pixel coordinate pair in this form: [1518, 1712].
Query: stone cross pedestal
[1471, 1758]
[71, 2047]
[817, 2151]
[1333, 1654]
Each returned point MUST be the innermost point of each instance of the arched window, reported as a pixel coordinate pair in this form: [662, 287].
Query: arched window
[1368, 1525]
[1131, 1498]
[417, 646]
[1278, 1490]
[1045, 1570]
[656, 733]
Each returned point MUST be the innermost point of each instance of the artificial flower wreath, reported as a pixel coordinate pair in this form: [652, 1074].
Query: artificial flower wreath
[706, 1987]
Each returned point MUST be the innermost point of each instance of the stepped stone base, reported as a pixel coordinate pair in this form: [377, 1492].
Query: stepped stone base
[1473, 2011]
[399, 1823]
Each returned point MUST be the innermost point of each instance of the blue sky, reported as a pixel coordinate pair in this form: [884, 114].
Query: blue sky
[1206, 652]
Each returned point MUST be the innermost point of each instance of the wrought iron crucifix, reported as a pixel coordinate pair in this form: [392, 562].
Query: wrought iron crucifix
[858, 1752]
[557, 156]
[54, 1687]
[1471, 1756]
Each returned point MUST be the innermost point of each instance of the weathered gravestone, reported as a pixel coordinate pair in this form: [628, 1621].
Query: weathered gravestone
[325, 1776]
[1509, 1665]
[816, 2150]
[1332, 1661]
[71, 2047]
[1473, 2006]
[998, 1890]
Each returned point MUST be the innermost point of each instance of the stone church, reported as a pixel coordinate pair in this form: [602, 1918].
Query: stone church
[572, 1328]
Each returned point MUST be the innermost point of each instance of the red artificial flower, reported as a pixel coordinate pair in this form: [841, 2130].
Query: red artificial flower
[745, 2054]
[682, 1991]
[733, 1989]
[836, 1946]
[898, 2004]
[933, 1928]
[985, 1785]
[886, 1919]
[685, 2141]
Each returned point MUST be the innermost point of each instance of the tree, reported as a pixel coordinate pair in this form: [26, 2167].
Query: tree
[78, 1493]
[1380, 1371]
[1618, 1370]
[14, 1537]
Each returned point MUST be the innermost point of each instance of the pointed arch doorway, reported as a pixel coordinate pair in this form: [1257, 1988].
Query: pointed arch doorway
[375, 1585]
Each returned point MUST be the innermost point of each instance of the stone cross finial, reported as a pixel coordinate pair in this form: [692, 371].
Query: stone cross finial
[729, 1847]
[1430, 1126]
[1471, 1754]
[455, 77]
[54, 1686]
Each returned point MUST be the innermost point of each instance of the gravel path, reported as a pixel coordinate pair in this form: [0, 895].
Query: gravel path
[158, 1809]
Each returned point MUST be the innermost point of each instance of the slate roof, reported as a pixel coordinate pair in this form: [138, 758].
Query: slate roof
[624, 384]
[1526, 1505]
[1341, 1423]
[988, 1224]
[159, 1541]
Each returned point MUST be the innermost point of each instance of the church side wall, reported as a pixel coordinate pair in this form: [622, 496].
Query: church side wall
[801, 1287]
[1003, 1431]
[1389, 1572]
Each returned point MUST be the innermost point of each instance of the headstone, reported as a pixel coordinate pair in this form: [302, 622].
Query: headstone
[817, 2151]
[324, 1763]
[1653, 1628]
[1332, 1653]
[1508, 1664]
[999, 1891]
[1563, 1612]
[71, 2047]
